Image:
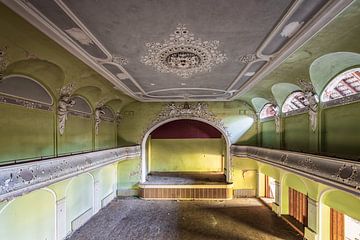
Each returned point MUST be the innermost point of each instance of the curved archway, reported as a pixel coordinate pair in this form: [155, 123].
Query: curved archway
[144, 156]
[39, 221]
[291, 181]
[326, 67]
[27, 88]
[342, 202]
[79, 195]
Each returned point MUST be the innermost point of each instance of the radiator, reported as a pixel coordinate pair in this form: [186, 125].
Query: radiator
[82, 219]
[244, 193]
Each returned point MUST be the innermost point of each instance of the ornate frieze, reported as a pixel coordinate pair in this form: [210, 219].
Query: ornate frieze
[65, 102]
[3, 61]
[340, 173]
[248, 58]
[18, 179]
[182, 54]
[342, 101]
[24, 103]
[120, 60]
[186, 110]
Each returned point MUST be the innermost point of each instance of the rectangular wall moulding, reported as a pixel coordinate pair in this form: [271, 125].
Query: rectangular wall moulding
[18, 179]
[339, 173]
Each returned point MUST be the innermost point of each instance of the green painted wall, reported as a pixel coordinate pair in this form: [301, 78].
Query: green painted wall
[79, 197]
[29, 217]
[25, 133]
[77, 136]
[107, 136]
[342, 130]
[107, 179]
[186, 155]
[296, 133]
[268, 134]
[129, 174]
[138, 117]
[244, 173]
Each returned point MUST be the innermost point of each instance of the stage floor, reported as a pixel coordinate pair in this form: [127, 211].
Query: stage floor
[170, 178]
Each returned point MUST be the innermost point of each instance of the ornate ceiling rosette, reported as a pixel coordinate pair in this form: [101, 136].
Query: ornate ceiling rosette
[182, 54]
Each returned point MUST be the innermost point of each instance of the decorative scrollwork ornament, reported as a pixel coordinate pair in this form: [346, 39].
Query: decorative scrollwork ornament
[65, 102]
[4, 61]
[313, 99]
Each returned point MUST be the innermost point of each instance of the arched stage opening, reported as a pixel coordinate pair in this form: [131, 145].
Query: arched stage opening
[185, 154]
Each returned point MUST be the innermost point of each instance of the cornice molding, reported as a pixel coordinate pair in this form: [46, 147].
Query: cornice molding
[296, 38]
[336, 172]
[18, 179]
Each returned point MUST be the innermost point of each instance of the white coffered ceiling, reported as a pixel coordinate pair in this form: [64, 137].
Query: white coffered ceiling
[170, 50]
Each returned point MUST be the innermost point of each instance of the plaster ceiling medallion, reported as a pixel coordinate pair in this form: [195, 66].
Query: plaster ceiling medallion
[120, 60]
[248, 58]
[182, 54]
[80, 36]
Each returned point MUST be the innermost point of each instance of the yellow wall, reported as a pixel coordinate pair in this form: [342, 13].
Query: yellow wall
[186, 155]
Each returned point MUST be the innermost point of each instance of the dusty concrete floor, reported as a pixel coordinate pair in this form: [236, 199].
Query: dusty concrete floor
[137, 219]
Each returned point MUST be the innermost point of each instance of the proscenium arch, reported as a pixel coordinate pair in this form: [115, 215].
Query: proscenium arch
[144, 161]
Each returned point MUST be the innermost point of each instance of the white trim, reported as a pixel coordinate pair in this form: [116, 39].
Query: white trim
[144, 161]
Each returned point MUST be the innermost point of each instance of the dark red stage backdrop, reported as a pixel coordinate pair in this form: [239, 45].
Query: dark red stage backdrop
[186, 128]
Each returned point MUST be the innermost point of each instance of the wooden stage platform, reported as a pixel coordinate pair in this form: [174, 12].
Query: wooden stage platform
[186, 186]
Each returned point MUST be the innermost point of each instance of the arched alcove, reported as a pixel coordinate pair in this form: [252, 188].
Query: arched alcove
[197, 129]
[31, 216]
[79, 201]
[29, 109]
[81, 105]
[326, 67]
[291, 181]
[24, 87]
[344, 206]
[282, 90]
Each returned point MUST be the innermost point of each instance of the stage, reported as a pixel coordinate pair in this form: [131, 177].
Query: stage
[186, 186]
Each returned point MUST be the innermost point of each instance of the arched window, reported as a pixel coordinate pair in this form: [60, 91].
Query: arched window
[294, 102]
[22, 90]
[344, 85]
[81, 105]
[269, 110]
[108, 114]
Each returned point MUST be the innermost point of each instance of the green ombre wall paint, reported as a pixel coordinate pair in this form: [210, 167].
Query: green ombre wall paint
[187, 155]
[129, 174]
[25, 133]
[237, 117]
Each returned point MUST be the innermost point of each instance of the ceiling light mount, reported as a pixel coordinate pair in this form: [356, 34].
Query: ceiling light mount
[182, 54]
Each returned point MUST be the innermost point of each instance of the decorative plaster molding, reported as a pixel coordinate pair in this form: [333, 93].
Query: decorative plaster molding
[24, 103]
[4, 61]
[341, 101]
[18, 179]
[248, 58]
[65, 102]
[182, 54]
[99, 112]
[313, 99]
[120, 60]
[340, 173]
[186, 110]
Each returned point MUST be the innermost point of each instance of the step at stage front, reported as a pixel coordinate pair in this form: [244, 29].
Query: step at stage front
[186, 186]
